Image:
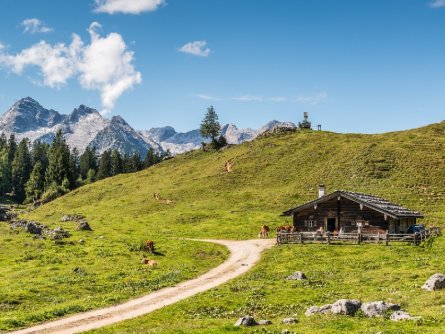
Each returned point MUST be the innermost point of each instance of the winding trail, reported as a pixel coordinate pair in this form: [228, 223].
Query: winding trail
[243, 255]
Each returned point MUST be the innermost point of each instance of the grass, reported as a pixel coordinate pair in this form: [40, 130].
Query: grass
[269, 176]
[366, 272]
[41, 280]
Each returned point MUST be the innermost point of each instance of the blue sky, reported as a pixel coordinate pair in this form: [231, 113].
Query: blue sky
[355, 66]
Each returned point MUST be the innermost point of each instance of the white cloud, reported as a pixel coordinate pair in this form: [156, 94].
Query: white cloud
[278, 99]
[196, 48]
[437, 3]
[247, 98]
[104, 65]
[207, 97]
[127, 6]
[34, 26]
[311, 99]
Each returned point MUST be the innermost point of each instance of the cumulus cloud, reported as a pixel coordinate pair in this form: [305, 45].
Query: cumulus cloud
[105, 65]
[196, 48]
[437, 3]
[311, 99]
[127, 6]
[34, 26]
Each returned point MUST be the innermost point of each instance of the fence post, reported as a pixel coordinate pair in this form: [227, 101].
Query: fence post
[415, 236]
[359, 238]
[386, 239]
[328, 235]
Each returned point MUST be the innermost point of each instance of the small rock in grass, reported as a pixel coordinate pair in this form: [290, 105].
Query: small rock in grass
[81, 241]
[378, 308]
[318, 310]
[402, 315]
[289, 321]
[84, 226]
[297, 276]
[346, 306]
[435, 282]
[264, 322]
[101, 237]
[246, 321]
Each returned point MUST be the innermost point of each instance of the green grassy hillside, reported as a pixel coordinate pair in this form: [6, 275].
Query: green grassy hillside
[269, 176]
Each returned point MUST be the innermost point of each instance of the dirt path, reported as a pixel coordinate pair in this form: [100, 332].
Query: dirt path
[243, 255]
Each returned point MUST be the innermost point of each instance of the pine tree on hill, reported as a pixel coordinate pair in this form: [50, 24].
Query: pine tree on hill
[35, 185]
[210, 127]
[105, 166]
[117, 166]
[21, 169]
[58, 172]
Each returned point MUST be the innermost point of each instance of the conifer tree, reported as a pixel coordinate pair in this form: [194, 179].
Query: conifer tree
[35, 185]
[21, 169]
[58, 172]
[210, 127]
[88, 160]
[105, 166]
[116, 163]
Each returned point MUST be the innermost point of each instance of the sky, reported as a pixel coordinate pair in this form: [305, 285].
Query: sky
[354, 66]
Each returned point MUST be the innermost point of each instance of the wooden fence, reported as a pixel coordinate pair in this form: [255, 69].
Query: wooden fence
[358, 238]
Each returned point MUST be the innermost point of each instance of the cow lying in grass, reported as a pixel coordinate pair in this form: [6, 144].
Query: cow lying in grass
[150, 263]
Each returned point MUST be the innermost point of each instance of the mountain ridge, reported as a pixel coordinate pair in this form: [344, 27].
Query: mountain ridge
[86, 127]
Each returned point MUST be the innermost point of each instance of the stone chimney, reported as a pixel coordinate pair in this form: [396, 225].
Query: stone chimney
[321, 190]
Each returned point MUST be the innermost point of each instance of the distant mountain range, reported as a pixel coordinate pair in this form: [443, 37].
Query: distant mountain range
[85, 127]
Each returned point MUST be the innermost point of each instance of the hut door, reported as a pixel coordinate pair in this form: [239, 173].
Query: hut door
[330, 225]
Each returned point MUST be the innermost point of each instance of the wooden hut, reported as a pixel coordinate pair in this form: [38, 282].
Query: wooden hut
[347, 211]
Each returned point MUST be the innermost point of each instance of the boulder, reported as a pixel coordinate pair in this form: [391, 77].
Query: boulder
[297, 276]
[59, 233]
[435, 282]
[246, 321]
[378, 308]
[289, 321]
[264, 322]
[84, 226]
[402, 315]
[34, 228]
[346, 306]
[318, 310]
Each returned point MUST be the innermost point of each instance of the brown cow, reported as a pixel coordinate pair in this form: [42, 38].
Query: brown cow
[285, 229]
[264, 232]
[150, 263]
[150, 246]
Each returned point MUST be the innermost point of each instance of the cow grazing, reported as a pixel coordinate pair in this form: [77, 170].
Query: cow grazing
[264, 232]
[150, 246]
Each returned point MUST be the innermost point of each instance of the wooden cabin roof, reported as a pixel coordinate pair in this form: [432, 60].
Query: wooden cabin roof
[373, 202]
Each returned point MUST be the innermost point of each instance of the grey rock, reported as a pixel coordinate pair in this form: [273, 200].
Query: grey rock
[34, 228]
[81, 241]
[435, 282]
[289, 321]
[346, 306]
[402, 315]
[325, 309]
[378, 308]
[264, 322]
[246, 321]
[297, 276]
[84, 226]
